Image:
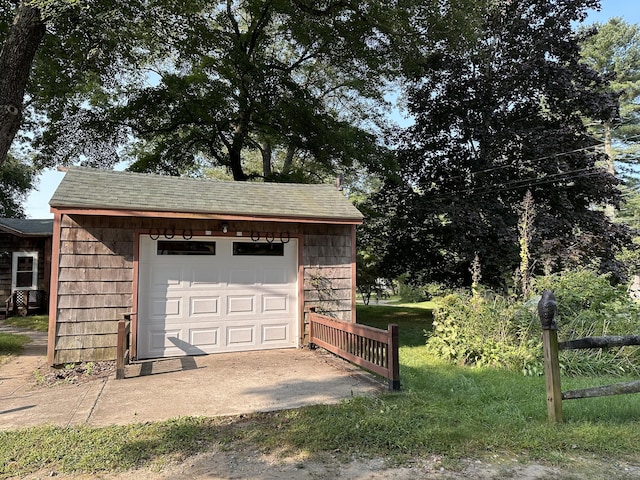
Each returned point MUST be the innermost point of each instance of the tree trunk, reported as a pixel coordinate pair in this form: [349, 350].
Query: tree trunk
[288, 160]
[235, 149]
[609, 210]
[16, 58]
[608, 148]
[266, 152]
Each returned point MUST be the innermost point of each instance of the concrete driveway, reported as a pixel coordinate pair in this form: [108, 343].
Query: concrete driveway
[209, 385]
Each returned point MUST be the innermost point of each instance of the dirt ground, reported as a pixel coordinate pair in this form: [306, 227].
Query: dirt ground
[235, 464]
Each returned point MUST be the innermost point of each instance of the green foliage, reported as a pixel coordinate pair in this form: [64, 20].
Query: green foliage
[485, 330]
[16, 180]
[589, 305]
[12, 344]
[500, 331]
[499, 116]
[613, 49]
[300, 84]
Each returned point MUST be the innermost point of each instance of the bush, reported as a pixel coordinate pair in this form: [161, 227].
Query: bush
[410, 293]
[486, 330]
[589, 305]
[490, 329]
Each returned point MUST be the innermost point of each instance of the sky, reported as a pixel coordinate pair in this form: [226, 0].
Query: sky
[37, 204]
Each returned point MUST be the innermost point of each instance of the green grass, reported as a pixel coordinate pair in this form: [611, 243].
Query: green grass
[39, 323]
[456, 412]
[11, 345]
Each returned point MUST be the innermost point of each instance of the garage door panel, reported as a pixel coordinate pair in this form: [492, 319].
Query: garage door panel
[205, 276]
[166, 307]
[275, 333]
[244, 277]
[160, 339]
[275, 276]
[241, 335]
[240, 304]
[205, 337]
[204, 306]
[275, 303]
[165, 275]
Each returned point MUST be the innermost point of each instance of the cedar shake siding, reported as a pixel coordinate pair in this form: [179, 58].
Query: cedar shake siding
[24, 235]
[96, 274]
[100, 217]
[9, 244]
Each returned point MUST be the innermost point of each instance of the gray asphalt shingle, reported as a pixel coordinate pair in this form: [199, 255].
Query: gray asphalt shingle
[28, 226]
[114, 190]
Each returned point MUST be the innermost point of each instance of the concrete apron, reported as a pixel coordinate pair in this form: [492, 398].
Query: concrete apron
[209, 385]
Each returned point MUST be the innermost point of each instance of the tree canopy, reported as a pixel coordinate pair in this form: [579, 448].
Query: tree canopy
[174, 87]
[613, 50]
[493, 119]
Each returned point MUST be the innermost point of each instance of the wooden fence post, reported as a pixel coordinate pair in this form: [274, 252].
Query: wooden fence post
[547, 309]
[393, 358]
[552, 375]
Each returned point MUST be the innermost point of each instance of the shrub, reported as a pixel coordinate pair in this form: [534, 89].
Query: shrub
[485, 330]
[589, 305]
[410, 293]
[490, 329]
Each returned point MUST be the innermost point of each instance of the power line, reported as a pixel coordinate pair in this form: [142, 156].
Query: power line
[548, 157]
[530, 182]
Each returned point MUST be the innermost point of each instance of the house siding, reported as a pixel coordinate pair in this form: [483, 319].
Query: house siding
[95, 276]
[12, 243]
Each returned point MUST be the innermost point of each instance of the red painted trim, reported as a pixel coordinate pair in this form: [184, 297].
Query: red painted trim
[211, 216]
[300, 291]
[135, 299]
[53, 292]
[354, 289]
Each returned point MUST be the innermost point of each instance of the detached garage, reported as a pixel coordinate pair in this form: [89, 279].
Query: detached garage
[199, 266]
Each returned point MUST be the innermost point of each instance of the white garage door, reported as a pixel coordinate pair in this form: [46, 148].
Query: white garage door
[216, 294]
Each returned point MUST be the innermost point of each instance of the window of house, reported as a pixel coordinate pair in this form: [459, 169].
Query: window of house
[275, 249]
[25, 271]
[192, 247]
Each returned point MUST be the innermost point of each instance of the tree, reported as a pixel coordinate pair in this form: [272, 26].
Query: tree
[16, 58]
[613, 50]
[53, 54]
[493, 119]
[16, 180]
[290, 79]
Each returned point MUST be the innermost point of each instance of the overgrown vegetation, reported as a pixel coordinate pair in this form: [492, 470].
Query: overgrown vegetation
[492, 329]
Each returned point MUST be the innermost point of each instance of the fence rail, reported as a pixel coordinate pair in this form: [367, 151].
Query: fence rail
[371, 348]
[551, 348]
[123, 347]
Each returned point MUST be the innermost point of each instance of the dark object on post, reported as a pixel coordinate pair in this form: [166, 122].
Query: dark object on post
[547, 309]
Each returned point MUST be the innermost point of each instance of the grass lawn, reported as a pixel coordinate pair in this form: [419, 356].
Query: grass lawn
[456, 412]
[39, 323]
[11, 345]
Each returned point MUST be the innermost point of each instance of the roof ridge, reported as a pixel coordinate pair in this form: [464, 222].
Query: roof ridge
[203, 179]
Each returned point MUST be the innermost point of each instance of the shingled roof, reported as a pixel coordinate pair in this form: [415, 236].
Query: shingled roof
[27, 227]
[86, 188]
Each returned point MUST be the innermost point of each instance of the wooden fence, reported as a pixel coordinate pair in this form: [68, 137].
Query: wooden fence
[371, 348]
[123, 347]
[551, 348]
